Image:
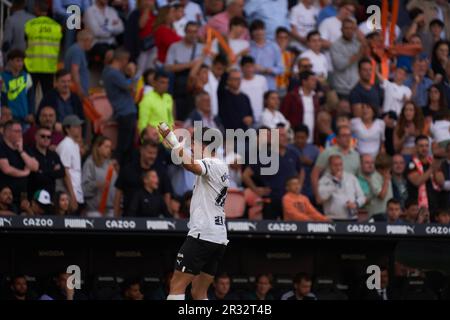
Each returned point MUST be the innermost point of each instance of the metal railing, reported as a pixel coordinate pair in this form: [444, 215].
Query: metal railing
[4, 5]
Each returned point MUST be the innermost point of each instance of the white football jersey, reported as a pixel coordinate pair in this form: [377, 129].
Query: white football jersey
[208, 200]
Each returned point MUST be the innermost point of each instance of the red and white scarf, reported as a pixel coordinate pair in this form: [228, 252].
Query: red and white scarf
[422, 189]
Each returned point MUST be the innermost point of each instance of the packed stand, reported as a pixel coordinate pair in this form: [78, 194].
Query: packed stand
[362, 117]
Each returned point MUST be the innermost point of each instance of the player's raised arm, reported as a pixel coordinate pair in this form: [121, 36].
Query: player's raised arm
[171, 141]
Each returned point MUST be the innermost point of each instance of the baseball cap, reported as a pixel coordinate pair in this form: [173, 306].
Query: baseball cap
[43, 197]
[72, 120]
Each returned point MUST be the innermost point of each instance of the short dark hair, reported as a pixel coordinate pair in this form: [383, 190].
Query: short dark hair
[190, 24]
[128, 283]
[267, 95]
[420, 137]
[147, 73]
[247, 60]
[222, 275]
[436, 22]
[282, 30]
[10, 123]
[290, 179]
[414, 12]
[149, 143]
[220, 59]
[238, 21]
[257, 25]
[302, 128]
[161, 74]
[61, 73]
[393, 201]
[363, 61]
[299, 277]
[304, 75]
[41, 5]
[411, 202]
[312, 34]
[15, 53]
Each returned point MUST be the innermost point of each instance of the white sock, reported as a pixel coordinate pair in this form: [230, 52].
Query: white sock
[176, 297]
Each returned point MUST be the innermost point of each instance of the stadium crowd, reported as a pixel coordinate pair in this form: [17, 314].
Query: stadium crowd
[363, 117]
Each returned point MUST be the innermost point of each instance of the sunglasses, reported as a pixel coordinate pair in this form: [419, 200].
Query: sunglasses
[44, 136]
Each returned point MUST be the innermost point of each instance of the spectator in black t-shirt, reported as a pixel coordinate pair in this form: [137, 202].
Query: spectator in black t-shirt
[19, 289]
[15, 163]
[131, 290]
[129, 179]
[6, 202]
[420, 173]
[50, 166]
[234, 106]
[443, 216]
[364, 92]
[147, 202]
[221, 289]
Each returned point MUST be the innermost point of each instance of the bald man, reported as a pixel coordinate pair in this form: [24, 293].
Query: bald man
[75, 61]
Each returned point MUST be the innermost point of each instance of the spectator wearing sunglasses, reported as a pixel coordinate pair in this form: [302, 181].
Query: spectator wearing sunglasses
[50, 166]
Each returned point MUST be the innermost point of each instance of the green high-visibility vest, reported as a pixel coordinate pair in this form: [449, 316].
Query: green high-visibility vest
[43, 39]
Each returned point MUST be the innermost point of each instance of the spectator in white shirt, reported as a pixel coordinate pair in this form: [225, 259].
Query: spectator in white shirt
[193, 11]
[254, 86]
[331, 28]
[105, 24]
[314, 54]
[440, 130]
[369, 131]
[303, 19]
[340, 191]
[218, 68]
[271, 117]
[69, 152]
[395, 93]
[239, 46]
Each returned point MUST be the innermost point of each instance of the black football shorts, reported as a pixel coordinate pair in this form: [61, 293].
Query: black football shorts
[198, 255]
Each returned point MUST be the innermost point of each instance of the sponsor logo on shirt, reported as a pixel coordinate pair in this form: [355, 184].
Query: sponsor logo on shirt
[283, 227]
[79, 223]
[241, 226]
[218, 220]
[361, 228]
[321, 227]
[399, 230]
[160, 225]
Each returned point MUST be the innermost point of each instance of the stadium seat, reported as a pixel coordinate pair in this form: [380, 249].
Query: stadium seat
[254, 203]
[103, 112]
[105, 288]
[325, 289]
[416, 289]
[235, 204]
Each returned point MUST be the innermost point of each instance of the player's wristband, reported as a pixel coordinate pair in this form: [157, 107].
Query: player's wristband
[172, 140]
